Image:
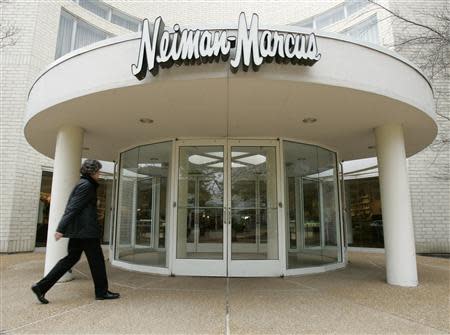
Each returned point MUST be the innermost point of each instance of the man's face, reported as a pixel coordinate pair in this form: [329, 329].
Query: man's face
[96, 176]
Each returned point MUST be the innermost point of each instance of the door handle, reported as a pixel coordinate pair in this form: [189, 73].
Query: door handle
[225, 216]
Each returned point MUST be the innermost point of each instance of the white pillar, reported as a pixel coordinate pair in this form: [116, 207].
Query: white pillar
[66, 173]
[400, 251]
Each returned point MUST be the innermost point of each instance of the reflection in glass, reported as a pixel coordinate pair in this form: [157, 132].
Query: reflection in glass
[312, 213]
[365, 222]
[328, 179]
[200, 203]
[143, 195]
[254, 233]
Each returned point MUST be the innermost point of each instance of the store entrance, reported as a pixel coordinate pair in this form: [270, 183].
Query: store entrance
[227, 214]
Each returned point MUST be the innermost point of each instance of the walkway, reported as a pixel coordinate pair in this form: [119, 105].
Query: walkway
[355, 300]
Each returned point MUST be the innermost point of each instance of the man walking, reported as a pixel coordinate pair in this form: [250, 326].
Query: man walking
[79, 224]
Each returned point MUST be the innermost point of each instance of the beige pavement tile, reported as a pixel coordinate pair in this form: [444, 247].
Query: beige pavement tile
[190, 284]
[141, 312]
[313, 314]
[267, 285]
[354, 300]
[427, 304]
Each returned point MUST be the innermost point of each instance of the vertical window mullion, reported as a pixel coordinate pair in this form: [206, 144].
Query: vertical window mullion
[74, 30]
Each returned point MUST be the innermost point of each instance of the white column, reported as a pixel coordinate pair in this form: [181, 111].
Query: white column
[66, 173]
[400, 251]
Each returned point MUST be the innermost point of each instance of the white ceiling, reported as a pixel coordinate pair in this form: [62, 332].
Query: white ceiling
[250, 109]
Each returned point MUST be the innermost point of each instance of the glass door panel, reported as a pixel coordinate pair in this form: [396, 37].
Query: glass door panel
[144, 212]
[254, 211]
[313, 221]
[227, 210]
[311, 212]
[142, 198]
[200, 203]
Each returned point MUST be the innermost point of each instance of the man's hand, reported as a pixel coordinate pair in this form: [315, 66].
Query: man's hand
[58, 236]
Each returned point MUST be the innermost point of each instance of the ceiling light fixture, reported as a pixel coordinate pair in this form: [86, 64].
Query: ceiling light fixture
[145, 120]
[200, 159]
[309, 120]
[253, 160]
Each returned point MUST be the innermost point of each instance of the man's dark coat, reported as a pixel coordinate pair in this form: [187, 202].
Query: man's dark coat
[80, 217]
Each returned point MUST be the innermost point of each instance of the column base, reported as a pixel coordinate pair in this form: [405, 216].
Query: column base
[404, 283]
[68, 276]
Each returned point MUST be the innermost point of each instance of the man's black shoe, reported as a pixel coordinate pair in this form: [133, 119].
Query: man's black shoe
[39, 294]
[108, 295]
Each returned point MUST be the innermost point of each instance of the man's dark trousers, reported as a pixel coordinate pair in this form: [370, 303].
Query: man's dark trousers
[94, 255]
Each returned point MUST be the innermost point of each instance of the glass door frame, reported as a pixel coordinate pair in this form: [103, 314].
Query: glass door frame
[227, 267]
[258, 268]
[197, 267]
[114, 246]
[342, 256]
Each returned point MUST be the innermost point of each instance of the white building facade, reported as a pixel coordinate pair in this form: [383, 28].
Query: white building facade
[60, 27]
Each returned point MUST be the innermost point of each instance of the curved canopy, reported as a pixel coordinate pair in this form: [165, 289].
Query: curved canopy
[351, 90]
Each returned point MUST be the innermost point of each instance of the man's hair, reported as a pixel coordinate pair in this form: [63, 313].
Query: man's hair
[90, 167]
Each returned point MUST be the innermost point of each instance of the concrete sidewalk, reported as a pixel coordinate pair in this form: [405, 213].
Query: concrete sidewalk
[355, 300]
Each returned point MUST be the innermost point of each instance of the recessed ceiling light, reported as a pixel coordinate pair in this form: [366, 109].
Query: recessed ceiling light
[254, 159]
[309, 120]
[200, 159]
[145, 120]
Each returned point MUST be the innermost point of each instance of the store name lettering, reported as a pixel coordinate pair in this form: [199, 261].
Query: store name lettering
[248, 47]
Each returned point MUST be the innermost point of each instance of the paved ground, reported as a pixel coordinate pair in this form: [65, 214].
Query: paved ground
[355, 300]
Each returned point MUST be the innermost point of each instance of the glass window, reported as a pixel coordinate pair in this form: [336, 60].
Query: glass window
[95, 7]
[333, 15]
[87, 34]
[124, 21]
[366, 30]
[355, 5]
[111, 14]
[254, 206]
[200, 203]
[65, 30]
[330, 17]
[104, 194]
[306, 24]
[44, 209]
[364, 217]
[312, 211]
[329, 205]
[75, 33]
[142, 208]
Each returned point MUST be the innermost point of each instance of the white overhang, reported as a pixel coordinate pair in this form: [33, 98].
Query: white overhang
[351, 90]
